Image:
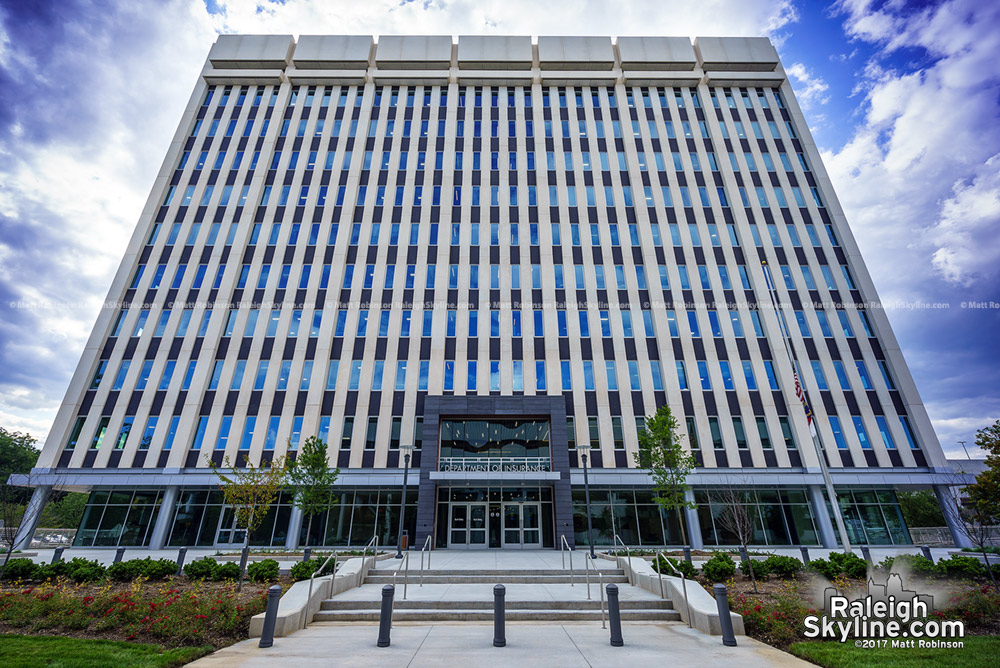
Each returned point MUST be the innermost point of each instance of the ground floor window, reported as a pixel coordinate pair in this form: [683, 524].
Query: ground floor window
[360, 514]
[873, 517]
[780, 517]
[201, 519]
[630, 513]
[114, 518]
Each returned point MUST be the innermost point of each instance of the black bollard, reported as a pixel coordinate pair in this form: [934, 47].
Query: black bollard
[181, 553]
[499, 616]
[725, 621]
[243, 560]
[614, 616]
[687, 556]
[307, 553]
[927, 553]
[385, 618]
[866, 553]
[270, 616]
[805, 554]
[57, 555]
[119, 553]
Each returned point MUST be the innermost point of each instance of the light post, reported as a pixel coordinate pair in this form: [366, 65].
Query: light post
[405, 451]
[967, 456]
[586, 498]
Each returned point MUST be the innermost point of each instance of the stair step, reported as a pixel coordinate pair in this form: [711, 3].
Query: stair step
[507, 578]
[595, 604]
[578, 572]
[469, 615]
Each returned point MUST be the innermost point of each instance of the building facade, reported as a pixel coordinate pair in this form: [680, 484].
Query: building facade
[506, 253]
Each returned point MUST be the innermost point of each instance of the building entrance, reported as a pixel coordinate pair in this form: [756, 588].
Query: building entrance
[507, 518]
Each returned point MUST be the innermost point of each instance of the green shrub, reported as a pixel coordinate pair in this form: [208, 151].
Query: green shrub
[303, 570]
[915, 564]
[263, 571]
[719, 567]
[681, 565]
[850, 564]
[77, 569]
[152, 569]
[202, 569]
[21, 569]
[761, 569]
[783, 566]
[824, 568]
[957, 566]
[229, 570]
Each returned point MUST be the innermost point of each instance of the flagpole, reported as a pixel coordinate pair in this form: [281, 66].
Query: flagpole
[800, 388]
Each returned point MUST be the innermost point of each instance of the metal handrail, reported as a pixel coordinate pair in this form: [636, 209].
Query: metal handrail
[628, 555]
[373, 543]
[427, 546]
[405, 567]
[588, 561]
[320, 570]
[684, 587]
[562, 551]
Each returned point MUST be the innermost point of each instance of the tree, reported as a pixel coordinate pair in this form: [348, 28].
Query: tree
[17, 456]
[250, 491]
[736, 519]
[662, 453]
[17, 452]
[987, 484]
[64, 510]
[920, 508]
[312, 480]
[978, 517]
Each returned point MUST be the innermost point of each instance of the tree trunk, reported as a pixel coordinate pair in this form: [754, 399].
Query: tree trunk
[246, 546]
[680, 522]
[989, 570]
[309, 526]
[753, 576]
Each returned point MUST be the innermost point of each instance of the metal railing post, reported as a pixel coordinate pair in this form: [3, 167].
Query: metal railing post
[181, 553]
[614, 615]
[725, 620]
[684, 587]
[499, 614]
[270, 616]
[385, 617]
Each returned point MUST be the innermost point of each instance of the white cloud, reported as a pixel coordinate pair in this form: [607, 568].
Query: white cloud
[810, 89]
[919, 159]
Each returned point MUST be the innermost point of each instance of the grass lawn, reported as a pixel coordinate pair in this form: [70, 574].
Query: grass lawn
[978, 651]
[59, 652]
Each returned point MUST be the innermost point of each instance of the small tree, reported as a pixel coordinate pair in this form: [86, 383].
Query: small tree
[662, 453]
[250, 491]
[736, 519]
[17, 456]
[312, 480]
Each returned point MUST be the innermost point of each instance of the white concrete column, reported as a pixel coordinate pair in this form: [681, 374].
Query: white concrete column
[164, 517]
[22, 541]
[817, 497]
[949, 508]
[693, 523]
[294, 529]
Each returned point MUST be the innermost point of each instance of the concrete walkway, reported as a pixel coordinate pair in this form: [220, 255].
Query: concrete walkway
[471, 646]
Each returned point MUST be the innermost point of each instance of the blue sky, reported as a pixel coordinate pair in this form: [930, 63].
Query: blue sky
[902, 99]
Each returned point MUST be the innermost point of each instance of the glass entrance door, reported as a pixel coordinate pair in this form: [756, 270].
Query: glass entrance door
[467, 525]
[521, 525]
[228, 534]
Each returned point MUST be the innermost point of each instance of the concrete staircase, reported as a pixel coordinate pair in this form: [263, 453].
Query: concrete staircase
[540, 595]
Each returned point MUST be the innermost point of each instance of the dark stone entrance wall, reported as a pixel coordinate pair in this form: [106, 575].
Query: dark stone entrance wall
[552, 408]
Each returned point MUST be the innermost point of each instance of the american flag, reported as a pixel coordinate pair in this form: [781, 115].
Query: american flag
[802, 397]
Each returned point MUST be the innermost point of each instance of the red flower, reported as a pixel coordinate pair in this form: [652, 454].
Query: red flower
[757, 608]
[201, 616]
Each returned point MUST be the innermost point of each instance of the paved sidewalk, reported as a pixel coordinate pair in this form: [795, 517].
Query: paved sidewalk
[471, 646]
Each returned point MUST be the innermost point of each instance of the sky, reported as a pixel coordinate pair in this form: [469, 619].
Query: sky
[902, 99]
